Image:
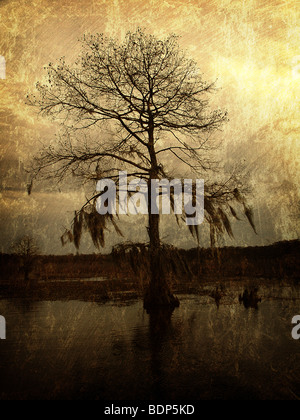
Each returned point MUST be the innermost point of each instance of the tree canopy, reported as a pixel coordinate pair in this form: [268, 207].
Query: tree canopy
[140, 105]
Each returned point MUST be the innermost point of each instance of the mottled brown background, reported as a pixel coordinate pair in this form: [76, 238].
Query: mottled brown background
[251, 47]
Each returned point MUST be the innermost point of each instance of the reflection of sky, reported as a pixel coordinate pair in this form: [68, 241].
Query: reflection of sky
[251, 47]
[60, 349]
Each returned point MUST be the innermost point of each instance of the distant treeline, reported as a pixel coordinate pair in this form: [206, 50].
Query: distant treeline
[280, 260]
[51, 267]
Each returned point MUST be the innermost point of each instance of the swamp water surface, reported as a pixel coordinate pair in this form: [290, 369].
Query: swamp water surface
[116, 351]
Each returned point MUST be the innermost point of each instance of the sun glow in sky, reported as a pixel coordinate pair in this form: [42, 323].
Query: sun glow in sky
[251, 47]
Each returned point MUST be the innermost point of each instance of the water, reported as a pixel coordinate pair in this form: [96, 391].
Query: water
[76, 280]
[115, 351]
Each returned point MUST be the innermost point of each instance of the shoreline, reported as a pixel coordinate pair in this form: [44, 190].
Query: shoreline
[111, 290]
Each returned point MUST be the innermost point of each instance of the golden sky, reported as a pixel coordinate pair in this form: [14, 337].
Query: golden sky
[252, 47]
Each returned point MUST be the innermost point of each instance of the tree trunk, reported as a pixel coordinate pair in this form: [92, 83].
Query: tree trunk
[159, 294]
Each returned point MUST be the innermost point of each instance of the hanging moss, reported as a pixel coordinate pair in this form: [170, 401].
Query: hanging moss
[90, 221]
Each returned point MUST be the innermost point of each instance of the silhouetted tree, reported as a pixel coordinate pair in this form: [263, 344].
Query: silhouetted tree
[26, 249]
[140, 106]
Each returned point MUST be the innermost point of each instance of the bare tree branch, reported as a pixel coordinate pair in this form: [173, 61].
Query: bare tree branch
[128, 106]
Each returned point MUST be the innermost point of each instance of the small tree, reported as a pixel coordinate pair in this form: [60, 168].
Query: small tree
[140, 106]
[27, 250]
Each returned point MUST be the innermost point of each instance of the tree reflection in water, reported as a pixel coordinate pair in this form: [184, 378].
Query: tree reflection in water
[160, 332]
